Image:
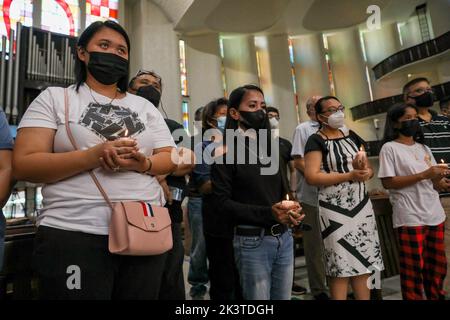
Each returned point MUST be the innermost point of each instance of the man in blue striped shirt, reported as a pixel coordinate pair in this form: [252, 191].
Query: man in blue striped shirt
[436, 130]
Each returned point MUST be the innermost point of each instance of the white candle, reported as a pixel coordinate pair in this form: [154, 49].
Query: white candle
[287, 204]
[361, 156]
[443, 164]
[125, 135]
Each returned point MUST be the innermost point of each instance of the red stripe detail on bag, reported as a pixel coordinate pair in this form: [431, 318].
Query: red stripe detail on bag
[144, 208]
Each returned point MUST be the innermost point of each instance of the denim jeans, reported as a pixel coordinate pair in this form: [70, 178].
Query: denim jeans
[198, 267]
[2, 238]
[265, 265]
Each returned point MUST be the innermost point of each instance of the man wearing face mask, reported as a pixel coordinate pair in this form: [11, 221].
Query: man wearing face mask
[285, 147]
[436, 130]
[148, 85]
[308, 196]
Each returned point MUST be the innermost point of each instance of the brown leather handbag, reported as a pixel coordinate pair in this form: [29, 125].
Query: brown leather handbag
[137, 228]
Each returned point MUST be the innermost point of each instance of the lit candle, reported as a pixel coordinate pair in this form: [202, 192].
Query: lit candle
[125, 135]
[361, 158]
[443, 164]
[288, 204]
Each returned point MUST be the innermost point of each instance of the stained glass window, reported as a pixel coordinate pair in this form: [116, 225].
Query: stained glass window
[185, 110]
[13, 11]
[61, 16]
[222, 68]
[101, 10]
[183, 72]
[293, 76]
[328, 62]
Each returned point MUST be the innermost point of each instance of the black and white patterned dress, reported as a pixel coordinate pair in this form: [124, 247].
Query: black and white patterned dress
[347, 220]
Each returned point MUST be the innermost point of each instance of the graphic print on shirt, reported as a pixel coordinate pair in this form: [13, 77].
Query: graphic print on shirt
[110, 121]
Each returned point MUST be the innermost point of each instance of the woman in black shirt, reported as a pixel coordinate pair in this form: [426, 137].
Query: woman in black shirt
[248, 200]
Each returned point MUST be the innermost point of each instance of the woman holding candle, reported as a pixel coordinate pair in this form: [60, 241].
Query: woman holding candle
[71, 257]
[347, 221]
[248, 201]
[409, 170]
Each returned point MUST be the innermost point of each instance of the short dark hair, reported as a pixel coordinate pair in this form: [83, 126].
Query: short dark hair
[445, 102]
[83, 41]
[273, 109]
[409, 84]
[199, 113]
[394, 113]
[143, 72]
[210, 110]
[318, 106]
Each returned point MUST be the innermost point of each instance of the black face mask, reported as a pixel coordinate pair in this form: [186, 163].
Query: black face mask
[409, 128]
[150, 93]
[426, 99]
[254, 120]
[107, 68]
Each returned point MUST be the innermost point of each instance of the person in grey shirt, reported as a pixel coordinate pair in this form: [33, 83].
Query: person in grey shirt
[308, 196]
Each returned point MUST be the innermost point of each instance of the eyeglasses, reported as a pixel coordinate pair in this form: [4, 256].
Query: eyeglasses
[334, 110]
[142, 72]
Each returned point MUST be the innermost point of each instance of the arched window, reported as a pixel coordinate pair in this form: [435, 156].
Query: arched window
[13, 11]
[61, 16]
[101, 10]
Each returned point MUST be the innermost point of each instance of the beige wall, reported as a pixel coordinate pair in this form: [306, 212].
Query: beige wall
[154, 46]
[350, 83]
[311, 72]
[204, 74]
[410, 32]
[240, 61]
[276, 80]
[379, 45]
[439, 16]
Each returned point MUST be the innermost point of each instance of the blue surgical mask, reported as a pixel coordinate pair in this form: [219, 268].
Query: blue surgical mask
[221, 122]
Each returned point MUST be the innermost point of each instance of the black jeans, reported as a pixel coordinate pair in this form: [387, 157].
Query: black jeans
[76, 265]
[172, 285]
[223, 274]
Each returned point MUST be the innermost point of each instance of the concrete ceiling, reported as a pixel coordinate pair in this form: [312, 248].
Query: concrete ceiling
[294, 17]
[173, 9]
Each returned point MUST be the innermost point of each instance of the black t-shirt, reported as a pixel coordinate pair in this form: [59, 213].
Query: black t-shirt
[175, 210]
[241, 195]
[285, 151]
[192, 190]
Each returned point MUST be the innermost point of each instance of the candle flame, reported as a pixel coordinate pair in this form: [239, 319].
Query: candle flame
[442, 161]
[361, 148]
[126, 133]
[287, 197]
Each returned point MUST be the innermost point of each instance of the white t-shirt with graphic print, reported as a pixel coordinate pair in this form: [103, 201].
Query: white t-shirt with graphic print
[417, 204]
[75, 204]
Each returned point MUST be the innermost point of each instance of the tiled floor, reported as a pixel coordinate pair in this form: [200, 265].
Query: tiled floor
[390, 287]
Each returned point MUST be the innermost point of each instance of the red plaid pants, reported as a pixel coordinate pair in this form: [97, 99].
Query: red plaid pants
[423, 265]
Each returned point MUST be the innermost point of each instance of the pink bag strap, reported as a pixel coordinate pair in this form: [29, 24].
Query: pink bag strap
[72, 140]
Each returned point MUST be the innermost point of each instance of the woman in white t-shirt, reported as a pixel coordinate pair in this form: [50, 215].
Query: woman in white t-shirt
[408, 169]
[71, 255]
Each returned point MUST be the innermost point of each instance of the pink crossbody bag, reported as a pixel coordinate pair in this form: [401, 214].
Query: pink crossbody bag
[137, 228]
